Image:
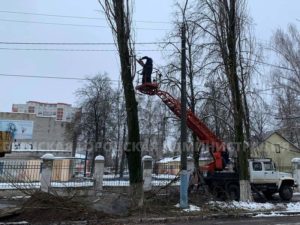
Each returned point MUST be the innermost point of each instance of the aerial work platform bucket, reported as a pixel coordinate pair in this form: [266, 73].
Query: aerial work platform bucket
[149, 88]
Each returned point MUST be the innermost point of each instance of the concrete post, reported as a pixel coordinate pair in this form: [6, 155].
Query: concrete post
[147, 172]
[46, 173]
[99, 172]
[296, 171]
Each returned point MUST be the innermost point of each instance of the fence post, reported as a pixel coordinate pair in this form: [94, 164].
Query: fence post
[99, 172]
[147, 172]
[46, 173]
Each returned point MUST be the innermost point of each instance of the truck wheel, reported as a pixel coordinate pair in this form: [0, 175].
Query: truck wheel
[268, 195]
[286, 192]
[233, 192]
[218, 192]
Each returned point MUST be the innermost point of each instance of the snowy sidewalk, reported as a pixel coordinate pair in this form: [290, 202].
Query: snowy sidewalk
[247, 208]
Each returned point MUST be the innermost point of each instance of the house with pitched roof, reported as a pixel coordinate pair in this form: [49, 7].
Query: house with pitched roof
[279, 149]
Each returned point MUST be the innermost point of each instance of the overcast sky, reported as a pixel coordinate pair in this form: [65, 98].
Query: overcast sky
[151, 18]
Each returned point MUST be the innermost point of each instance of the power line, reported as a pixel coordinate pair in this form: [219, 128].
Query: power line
[47, 23]
[70, 24]
[76, 50]
[269, 64]
[48, 77]
[74, 17]
[51, 15]
[79, 43]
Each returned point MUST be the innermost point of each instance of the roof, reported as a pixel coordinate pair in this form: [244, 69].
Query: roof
[276, 132]
[169, 159]
[177, 159]
[48, 103]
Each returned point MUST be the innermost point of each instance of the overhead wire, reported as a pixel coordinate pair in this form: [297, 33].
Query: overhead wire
[72, 24]
[49, 77]
[108, 50]
[74, 44]
[81, 43]
[74, 17]
[76, 50]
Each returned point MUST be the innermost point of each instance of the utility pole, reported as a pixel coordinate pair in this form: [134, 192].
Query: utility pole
[183, 160]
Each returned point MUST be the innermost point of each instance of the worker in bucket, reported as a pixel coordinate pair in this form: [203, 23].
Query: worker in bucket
[147, 69]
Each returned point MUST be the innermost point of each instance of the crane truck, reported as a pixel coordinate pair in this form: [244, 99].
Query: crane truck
[264, 178]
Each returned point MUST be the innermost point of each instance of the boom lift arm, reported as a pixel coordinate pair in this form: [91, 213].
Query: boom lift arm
[204, 134]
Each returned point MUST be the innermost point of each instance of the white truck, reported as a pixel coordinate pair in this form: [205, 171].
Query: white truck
[264, 178]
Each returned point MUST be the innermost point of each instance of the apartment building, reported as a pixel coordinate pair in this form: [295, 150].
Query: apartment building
[59, 111]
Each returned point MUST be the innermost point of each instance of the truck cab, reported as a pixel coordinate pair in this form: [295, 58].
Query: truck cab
[265, 178]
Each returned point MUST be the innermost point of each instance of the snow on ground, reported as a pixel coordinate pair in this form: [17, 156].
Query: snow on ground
[263, 209]
[117, 183]
[72, 184]
[164, 176]
[272, 214]
[270, 209]
[192, 208]
[293, 207]
[248, 206]
[19, 185]
[36, 185]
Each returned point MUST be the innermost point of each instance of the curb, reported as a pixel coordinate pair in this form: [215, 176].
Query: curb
[170, 219]
[15, 223]
[200, 217]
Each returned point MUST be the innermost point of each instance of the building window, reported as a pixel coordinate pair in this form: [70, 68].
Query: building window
[60, 113]
[31, 109]
[277, 148]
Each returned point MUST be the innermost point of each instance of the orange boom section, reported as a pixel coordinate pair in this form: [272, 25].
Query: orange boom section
[204, 134]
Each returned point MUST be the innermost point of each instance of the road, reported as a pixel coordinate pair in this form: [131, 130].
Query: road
[280, 220]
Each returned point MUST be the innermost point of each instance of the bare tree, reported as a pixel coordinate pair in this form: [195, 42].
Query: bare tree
[185, 13]
[120, 116]
[288, 114]
[73, 131]
[286, 45]
[154, 129]
[224, 21]
[286, 81]
[97, 99]
[118, 14]
[260, 121]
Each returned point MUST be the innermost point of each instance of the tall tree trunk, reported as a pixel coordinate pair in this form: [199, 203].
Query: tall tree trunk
[196, 150]
[103, 141]
[122, 163]
[74, 143]
[95, 149]
[245, 190]
[133, 150]
[118, 135]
